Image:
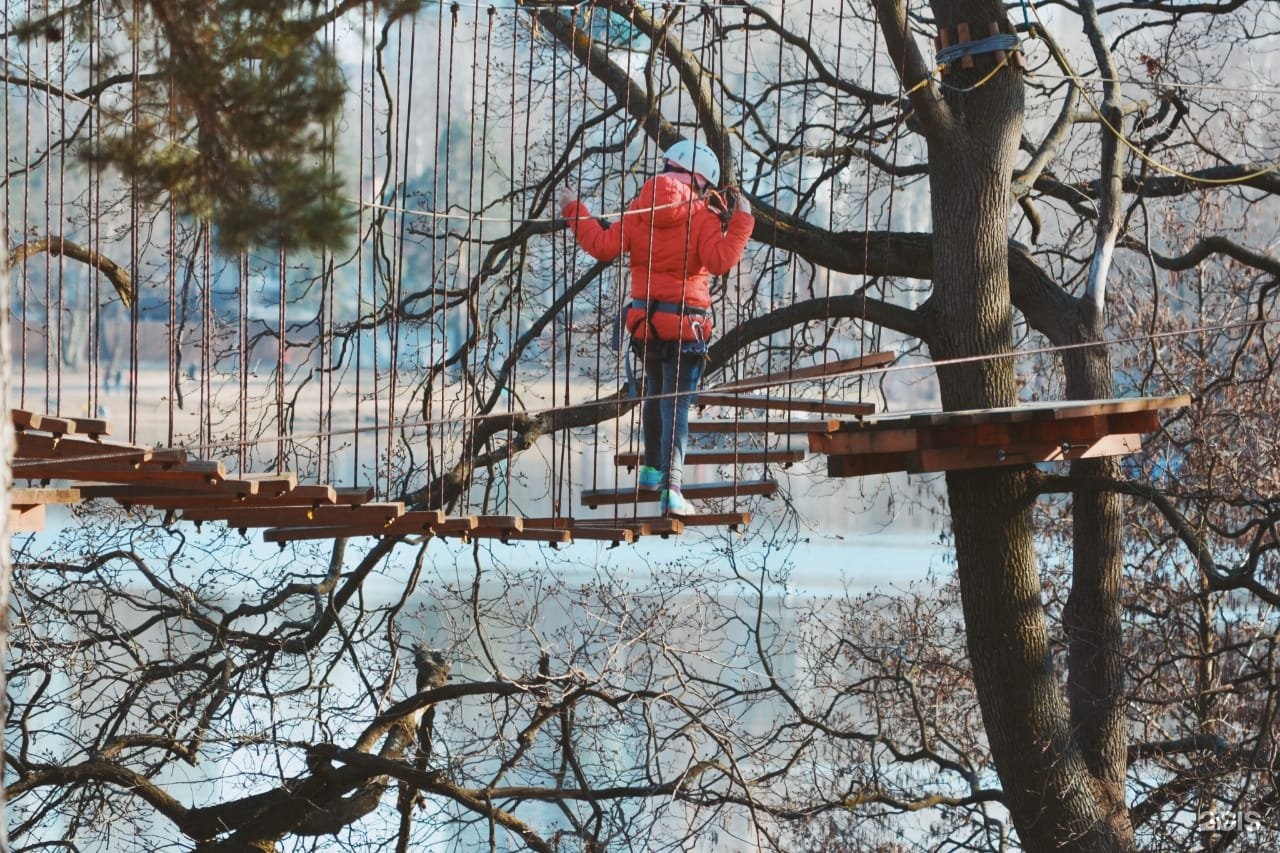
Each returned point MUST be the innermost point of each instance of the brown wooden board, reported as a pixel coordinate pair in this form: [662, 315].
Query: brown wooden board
[204, 496]
[784, 404]
[717, 519]
[188, 475]
[589, 532]
[818, 371]
[663, 526]
[417, 522]
[353, 494]
[953, 459]
[509, 535]
[455, 525]
[866, 441]
[788, 456]
[34, 445]
[373, 514]
[297, 534]
[24, 420]
[31, 497]
[1034, 411]
[691, 491]
[26, 518]
[273, 485]
[779, 426]
[866, 464]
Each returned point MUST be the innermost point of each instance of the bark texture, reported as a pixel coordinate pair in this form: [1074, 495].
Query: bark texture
[1059, 794]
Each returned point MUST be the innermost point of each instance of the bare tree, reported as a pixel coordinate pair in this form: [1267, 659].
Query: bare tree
[1101, 674]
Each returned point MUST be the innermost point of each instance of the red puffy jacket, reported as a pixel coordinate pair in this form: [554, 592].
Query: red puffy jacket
[675, 242]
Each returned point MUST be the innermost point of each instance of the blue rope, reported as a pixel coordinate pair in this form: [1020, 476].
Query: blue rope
[990, 44]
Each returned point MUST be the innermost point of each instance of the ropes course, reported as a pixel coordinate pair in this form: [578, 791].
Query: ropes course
[455, 369]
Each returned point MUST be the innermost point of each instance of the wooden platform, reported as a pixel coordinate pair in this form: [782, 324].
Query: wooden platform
[201, 491]
[921, 442]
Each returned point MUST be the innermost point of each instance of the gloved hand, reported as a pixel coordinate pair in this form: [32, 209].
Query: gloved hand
[564, 198]
[740, 202]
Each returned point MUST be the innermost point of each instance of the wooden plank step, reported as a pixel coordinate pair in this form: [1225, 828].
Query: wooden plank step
[639, 526]
[787, 456]
[25, 420]
[32, 497]
[207, 496]
[456, 525]
[691, 491]
[785, 404]
[33, 445]
[780, 426]
[509, 536]
[817, 371]
[273, 485]
[303, 496]
[192, 474]
[592, 533]
[416, 522]
[370, 514]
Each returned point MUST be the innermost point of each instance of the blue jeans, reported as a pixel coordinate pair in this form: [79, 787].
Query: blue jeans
[666, 420]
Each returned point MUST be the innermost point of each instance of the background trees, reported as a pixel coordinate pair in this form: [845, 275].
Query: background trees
[1120, 660]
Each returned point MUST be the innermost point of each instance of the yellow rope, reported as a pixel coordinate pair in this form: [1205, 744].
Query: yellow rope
[1124, 140]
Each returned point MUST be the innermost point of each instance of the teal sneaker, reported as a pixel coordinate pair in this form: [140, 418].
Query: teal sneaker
[671, 502]
[650, 478]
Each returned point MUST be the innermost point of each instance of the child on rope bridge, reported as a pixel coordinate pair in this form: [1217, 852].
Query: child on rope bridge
[677, 233]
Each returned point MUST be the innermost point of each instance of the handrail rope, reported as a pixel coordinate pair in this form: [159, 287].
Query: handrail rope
[595, 404]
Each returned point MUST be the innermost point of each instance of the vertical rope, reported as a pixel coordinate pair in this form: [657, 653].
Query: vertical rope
[440, 233]
[513, 305]
[557, 270]
[866, 208]
[242, 318]
[134, 250]
[282, 345]
[170, 332]
[366, 122]
[206, 335]
[52, 404]
[474, 203]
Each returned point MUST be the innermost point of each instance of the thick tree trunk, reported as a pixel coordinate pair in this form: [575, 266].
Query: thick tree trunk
[1092, 617]
[1050, 791]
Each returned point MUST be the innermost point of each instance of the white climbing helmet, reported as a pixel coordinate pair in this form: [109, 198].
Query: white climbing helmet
[696, 158]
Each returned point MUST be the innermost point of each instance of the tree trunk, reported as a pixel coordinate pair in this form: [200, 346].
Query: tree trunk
[1047, 781]
[1092, 617]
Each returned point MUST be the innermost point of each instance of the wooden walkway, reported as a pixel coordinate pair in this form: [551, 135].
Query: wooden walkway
[68, 460]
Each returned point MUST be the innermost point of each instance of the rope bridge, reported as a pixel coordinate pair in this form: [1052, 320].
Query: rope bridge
[451, 370]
